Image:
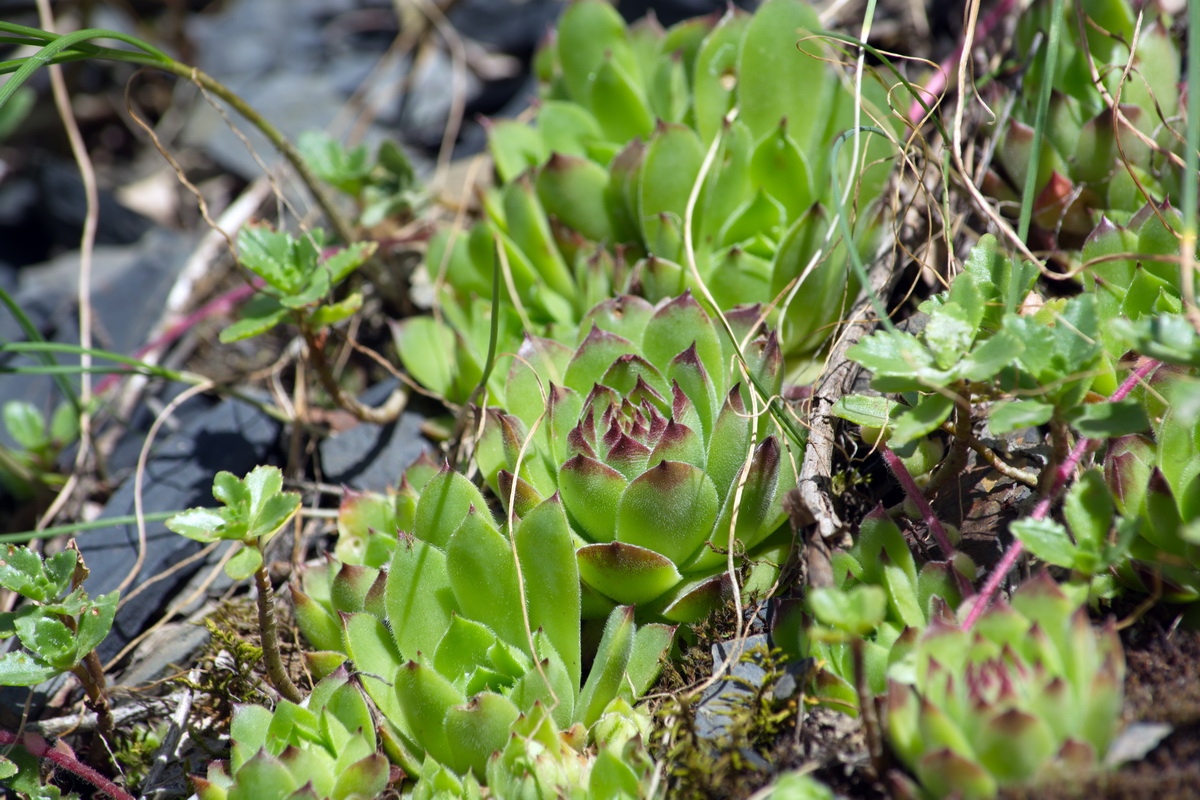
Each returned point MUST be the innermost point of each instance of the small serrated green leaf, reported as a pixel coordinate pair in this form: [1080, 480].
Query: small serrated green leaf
[258, 316]
[923, 418]
[201, 524]
[872, 411]
[333, 313]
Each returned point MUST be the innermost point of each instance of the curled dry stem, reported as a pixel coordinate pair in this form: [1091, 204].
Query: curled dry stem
[380, 415]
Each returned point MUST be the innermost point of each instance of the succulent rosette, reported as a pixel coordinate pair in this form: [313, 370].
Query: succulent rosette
[1032, 691]
[593, 194]
[881, 595]
[323, 748]
[653, 447]
[1095, 157]
[466, 634]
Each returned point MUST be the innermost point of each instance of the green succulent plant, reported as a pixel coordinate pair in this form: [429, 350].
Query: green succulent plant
[880, 595]
[1032, 691]
[1095, 157]
[470, 637]
[594, 193]
[1155, 485]
[325, 747]
[653, 447]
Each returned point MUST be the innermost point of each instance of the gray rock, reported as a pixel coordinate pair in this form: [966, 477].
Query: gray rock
[372, 457]
[233, 436]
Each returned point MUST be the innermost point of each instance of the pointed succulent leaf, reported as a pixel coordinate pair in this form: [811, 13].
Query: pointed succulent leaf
[350, 586]
[672, 162]
[620, 105]
[945, 772]
[443, 506]
[369, 644]
[608, 670]
[670, 509]
[694, 600]
[679, 324]
[780, 168]
[1127, 468]
[479, 728]
[593, 358]
[729, 443]
[586, 31]
[367, 777]
[717, 68]
[627, 573]
[516, 494]
[548, 685]
[483, 576]
[571, 189]
[319, 627]
[529, 231]
[1088, 509]
[418, 597]
[769, 57]
[1014, 744]
[687, 371]
[425, 698]
[650, 645]
[539, 363]
[551, 578]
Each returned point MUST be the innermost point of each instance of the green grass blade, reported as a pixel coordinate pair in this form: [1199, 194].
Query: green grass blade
[79, 527]
[34, 335]
[1049, 66]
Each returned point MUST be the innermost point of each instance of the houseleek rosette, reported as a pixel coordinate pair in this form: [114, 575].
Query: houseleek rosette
[1033, 691]
[325, 747]
[881, 595]
[467, 639]
[1094, 158]
[593, 194]
[653, 448]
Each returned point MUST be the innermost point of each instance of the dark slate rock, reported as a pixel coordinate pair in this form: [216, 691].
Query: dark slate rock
[373, 457]
[739, 681]
[233, 436]
[130, 284]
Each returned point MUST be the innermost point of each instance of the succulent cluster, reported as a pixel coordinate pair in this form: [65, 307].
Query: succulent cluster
[595, 193]
[468, 641]
[323, 748]
[879, 595]
[1110, 142]
[651, 445]
[1032, 691]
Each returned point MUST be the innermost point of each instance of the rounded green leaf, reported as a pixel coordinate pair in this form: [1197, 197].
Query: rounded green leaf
[591, 492]
[669, 509]
[478, 728]
[627, 573]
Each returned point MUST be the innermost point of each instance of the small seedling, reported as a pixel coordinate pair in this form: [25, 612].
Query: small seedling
[254, 509]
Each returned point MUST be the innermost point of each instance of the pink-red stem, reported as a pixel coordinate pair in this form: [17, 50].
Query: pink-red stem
[937, 82]
[40, 748]
[219, 305]
[1042, 509]
[918, 498]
